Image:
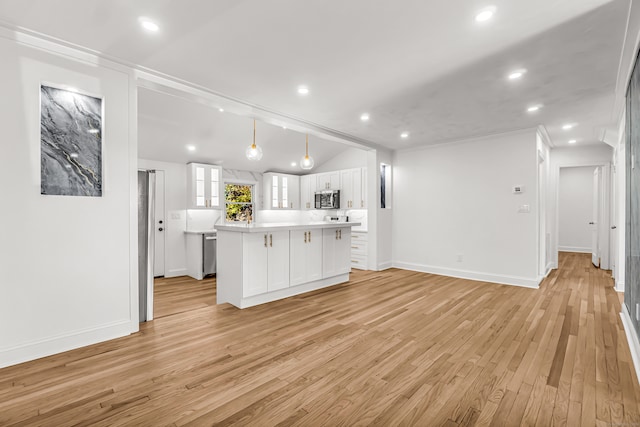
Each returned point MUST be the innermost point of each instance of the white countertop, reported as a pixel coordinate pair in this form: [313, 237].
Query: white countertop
[200, 231]
[275, 226]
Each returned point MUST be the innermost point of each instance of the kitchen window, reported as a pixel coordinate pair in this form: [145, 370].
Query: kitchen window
[238, 202]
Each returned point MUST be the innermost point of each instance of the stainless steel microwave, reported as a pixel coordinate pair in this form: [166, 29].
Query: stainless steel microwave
[328, 199]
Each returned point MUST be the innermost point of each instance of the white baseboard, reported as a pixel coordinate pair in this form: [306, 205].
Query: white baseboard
[632, 339]
[471, 275]
[61, 343]
[176, 272]
[551, 266]
[619, 286]
[574, 249]
[385, 265]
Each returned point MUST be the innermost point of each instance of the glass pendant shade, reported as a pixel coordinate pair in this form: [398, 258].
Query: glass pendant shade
[307, 161]
[254, 152]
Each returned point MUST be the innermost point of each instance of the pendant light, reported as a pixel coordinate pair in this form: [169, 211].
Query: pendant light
[306, 162]
[254, 152]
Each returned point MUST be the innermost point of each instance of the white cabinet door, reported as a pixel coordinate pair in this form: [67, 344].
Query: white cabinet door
[306, 256]
[255, 263]
[204, 186]
[314, 255]
[343, 251]
[328, 181]
[278, 260]
[336, 251]
[307, 191]
[356, 194]
[281, 191]
[346, 189]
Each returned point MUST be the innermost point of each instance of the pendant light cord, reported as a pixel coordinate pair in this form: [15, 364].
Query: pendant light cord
[254, 134]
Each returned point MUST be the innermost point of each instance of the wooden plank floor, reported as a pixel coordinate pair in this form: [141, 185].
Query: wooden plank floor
[389, 348]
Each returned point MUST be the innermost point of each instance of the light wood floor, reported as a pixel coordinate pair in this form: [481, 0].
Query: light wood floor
[389, 348]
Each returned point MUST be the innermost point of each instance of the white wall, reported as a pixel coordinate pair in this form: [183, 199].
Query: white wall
[350, 158]
[175, 204]
[68, 275]
[576, 156]
[456, 200]
[575, 209]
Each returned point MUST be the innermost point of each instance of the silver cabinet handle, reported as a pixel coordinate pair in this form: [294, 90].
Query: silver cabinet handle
[265, 240]
[305, 237]
[309, 237]
[336, 234]
[340, 234]
[271, 240]
[591, 223]
[613, 227]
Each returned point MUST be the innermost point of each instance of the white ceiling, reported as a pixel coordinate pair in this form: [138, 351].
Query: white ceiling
[422, 66]
[167, 124]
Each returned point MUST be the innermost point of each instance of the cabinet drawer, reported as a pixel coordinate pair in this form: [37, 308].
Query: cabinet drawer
[358, 248]
[358, 237]
[359, 262]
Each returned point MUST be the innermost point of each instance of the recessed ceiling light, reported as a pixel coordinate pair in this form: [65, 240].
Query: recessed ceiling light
[191, 147]
[486, 14]
[284, 127]
[572, 141]
[303, 90]
[74, 155]
[364, 117]
[515, 75]
[94, 131]
[293, 163]
[567, 127]
[221, 110]
[534, 108]
[404, 135]
[148, 24]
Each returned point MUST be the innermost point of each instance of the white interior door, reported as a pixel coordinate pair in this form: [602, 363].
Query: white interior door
[595, 249]
[159, 226]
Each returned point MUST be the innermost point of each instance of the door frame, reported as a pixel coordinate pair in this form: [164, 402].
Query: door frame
[605, 223]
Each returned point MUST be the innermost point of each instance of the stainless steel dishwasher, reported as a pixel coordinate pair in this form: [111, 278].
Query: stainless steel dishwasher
[209, 242]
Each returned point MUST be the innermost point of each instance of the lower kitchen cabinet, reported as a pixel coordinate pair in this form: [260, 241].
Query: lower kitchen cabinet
[266, 262]
[305, 259]
[359, 250]
[336, 251]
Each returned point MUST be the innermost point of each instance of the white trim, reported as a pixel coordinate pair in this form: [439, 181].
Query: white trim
[176, 272]
[471, 275]
[289, 292]
[624, 75]
[385, 265]
[61, 343]
[574, 249]
[550, 266]
[632, 339]
[619, 286]
[457, 141]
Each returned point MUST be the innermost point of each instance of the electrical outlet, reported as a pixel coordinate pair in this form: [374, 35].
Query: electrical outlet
[459, 257]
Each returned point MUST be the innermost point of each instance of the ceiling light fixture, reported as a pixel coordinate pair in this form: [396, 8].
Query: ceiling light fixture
[191, 147]
[517, 74]
[221, 110]
[364, 117]
[486, 14]
[306, 162]
[254, 152]
[94, 131]
[534, 108]
[293, 163]
[567, 127]
[148, 24]
[303, 90]
[572, 141]
[404, 135]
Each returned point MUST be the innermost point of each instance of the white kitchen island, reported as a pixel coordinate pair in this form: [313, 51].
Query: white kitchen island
[259, 263]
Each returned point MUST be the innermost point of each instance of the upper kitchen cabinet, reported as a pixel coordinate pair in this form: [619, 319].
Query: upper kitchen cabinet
[307, 191]
[281, 191]
[204, 186]
[328, 181]
[353, 188]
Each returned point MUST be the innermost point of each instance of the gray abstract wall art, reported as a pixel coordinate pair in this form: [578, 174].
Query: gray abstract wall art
[70, 143]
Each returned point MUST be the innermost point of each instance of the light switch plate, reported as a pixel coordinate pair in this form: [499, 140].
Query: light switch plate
[524, 209]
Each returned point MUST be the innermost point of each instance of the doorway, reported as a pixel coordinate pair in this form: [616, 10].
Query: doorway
[583, 212]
